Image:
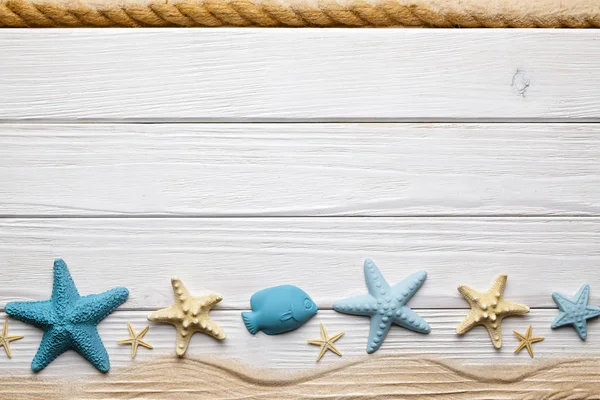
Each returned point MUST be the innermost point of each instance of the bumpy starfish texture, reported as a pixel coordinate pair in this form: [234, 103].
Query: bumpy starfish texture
[326, 342]
[526, 341]
[575, 311]
[385, 305]
[189, 315]
[69, 320]
[135, 340]
[488, 309]
[5, 339]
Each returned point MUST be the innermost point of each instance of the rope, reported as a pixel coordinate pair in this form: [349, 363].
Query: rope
[307, 13]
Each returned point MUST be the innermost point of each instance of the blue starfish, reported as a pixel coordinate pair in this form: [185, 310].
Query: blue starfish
[385, 304]
[575, 311]
[69, 320]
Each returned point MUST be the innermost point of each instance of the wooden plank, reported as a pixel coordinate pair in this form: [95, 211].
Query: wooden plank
[287, 74]
[290, 351]
[324, 256]
[299, 169]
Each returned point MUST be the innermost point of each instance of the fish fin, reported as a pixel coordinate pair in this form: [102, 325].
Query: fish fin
[250, 322]
[286, 316]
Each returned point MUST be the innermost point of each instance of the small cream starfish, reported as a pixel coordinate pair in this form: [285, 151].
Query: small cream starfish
[326, 342]
[5, 339]
[488, 309]
[189, 315]
[135, 340]
[527, 341]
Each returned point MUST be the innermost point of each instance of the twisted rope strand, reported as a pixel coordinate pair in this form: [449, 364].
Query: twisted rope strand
[319, 13]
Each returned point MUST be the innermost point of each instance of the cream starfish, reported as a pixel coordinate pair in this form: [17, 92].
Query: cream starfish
[135, 340]
[326, 342]
[5, 339]
[189, 315]
[527, 341]
[488, 309]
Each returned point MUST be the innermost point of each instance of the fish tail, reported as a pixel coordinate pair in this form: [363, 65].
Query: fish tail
[250, 321]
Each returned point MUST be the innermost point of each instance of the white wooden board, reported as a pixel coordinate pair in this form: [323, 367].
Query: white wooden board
[239, 256]
[266, 157]
[299, 169]
[290, 351]
[308, 74]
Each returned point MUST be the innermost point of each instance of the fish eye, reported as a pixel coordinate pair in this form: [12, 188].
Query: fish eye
[307, 304]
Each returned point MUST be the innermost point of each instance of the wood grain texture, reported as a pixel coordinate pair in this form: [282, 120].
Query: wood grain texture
[291, 350]
[299, 169]
[313, 74]
[239, 256]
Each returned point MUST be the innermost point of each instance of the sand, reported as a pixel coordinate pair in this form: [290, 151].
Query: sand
[372, 377]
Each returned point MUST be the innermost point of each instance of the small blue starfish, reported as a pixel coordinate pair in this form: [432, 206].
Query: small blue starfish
[385, 304]
[575, 311]
[69, 320]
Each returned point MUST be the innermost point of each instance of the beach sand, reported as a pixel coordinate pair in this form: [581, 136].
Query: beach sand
[369, 378]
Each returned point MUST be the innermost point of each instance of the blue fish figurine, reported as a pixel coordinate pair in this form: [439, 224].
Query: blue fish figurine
[279, 309]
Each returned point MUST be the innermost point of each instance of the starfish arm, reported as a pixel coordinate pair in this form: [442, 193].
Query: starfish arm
[6, 346]
[212, 329]
[143, 332]
[581, 328]
[322, 352]
[470, 294]
[204, 303]
[95, 307]
[64, 292]
[334, 349]
[407, 288]
[521, 346]
[536, 339]
[359, 305]
[377, 332]
[182, 341]
[507, 308]
[5, 329]
[591, 312]
[582, 296]
[210, 301]
[521, 337]
[126, 341]
[169, 315]
[323, 332]
[374, 279]
[495, 334]
[529, 349]
[179, 290]
[407, 318]
[316, 342]
[499, 284]
[134, 348]
[37, 313]
[562, 319]
[54, 343]
[131, 331]
[562, 301]
[87, 342]
[145, 344]
[467, 324]
[334, 338]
